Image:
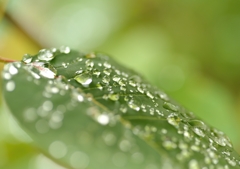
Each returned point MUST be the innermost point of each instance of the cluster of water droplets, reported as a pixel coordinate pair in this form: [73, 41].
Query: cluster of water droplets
[122, 96]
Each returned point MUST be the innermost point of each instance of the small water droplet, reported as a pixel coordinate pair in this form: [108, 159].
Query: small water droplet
[103, 119]
[170, 106]
[113, 96]
[220, 138]
[84, 78]
[57, 149]
[107, 65]
[169, 145]
[10, 86]
[107, 71]
[132, 83]
[91, 55]
[173, 119]
[30, 114]
[96, 72]
[149, 94]
[27, 58]
[116, 78]
[106, 79]
[193, 164]
[123, 108]
[140, 89]
[65, 49]
[123, 88]
[122, 82]
[12, 69]
[99, 86]
[151, 110]
[89, 63]
[162, 95]
[134, 105]
[45, 55]
[79, 160]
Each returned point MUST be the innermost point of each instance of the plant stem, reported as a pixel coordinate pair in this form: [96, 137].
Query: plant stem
[6, 60]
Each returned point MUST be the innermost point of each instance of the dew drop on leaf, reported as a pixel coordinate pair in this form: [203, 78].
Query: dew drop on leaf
[170, 106]
[134, 105]
[45, 55]
[84, 78]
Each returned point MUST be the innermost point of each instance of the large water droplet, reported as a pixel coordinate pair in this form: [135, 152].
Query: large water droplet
[170, 106]
[198, 127]
[220, 138]
[45, 55]
[84, 78]
[27, 58]
[173, 119]
[45, 69]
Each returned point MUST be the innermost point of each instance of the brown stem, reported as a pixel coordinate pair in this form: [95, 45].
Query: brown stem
[6, 60]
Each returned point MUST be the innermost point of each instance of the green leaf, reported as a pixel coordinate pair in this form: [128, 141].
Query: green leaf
[87, 111]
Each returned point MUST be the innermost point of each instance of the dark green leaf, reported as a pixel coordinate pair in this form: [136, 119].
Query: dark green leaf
[87, 111]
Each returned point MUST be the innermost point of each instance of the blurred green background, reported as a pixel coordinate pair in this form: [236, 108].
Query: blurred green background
[190, 49]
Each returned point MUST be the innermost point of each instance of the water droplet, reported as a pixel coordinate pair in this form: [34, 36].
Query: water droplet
[65, 49]
[134, 105]
[30, 114]
[149, 95]
[170, 106]
[79, 160]
[89, 63]
[99, 86]
[119, 159]
[91, 55]
[45, 55]
[12, 69]
[109, 138]
[107, 71]
[96, 72]
[132, 83]
[47, 106]
[106, 79]
[137, 157]
[123, 109]
[193, 164]
[169, 145]
[10, 86]
[6, 75]
[220, 138]
[173, 119]
[113, 96]
[103, 119]
[122, 88]
[84, 78]
[140, 89]
[198, 127]
[77, 95]
[45, 69]
[107, 65]
[27, 58]
[151, 110]
[162, 95]
[42, 126]
[122, 82]
[125, 145]
[116, 78]
[57, 149]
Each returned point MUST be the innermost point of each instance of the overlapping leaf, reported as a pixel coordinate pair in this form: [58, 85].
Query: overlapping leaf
[87, 111]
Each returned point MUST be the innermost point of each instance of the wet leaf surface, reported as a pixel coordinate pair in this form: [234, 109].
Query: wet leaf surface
[87, 111]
